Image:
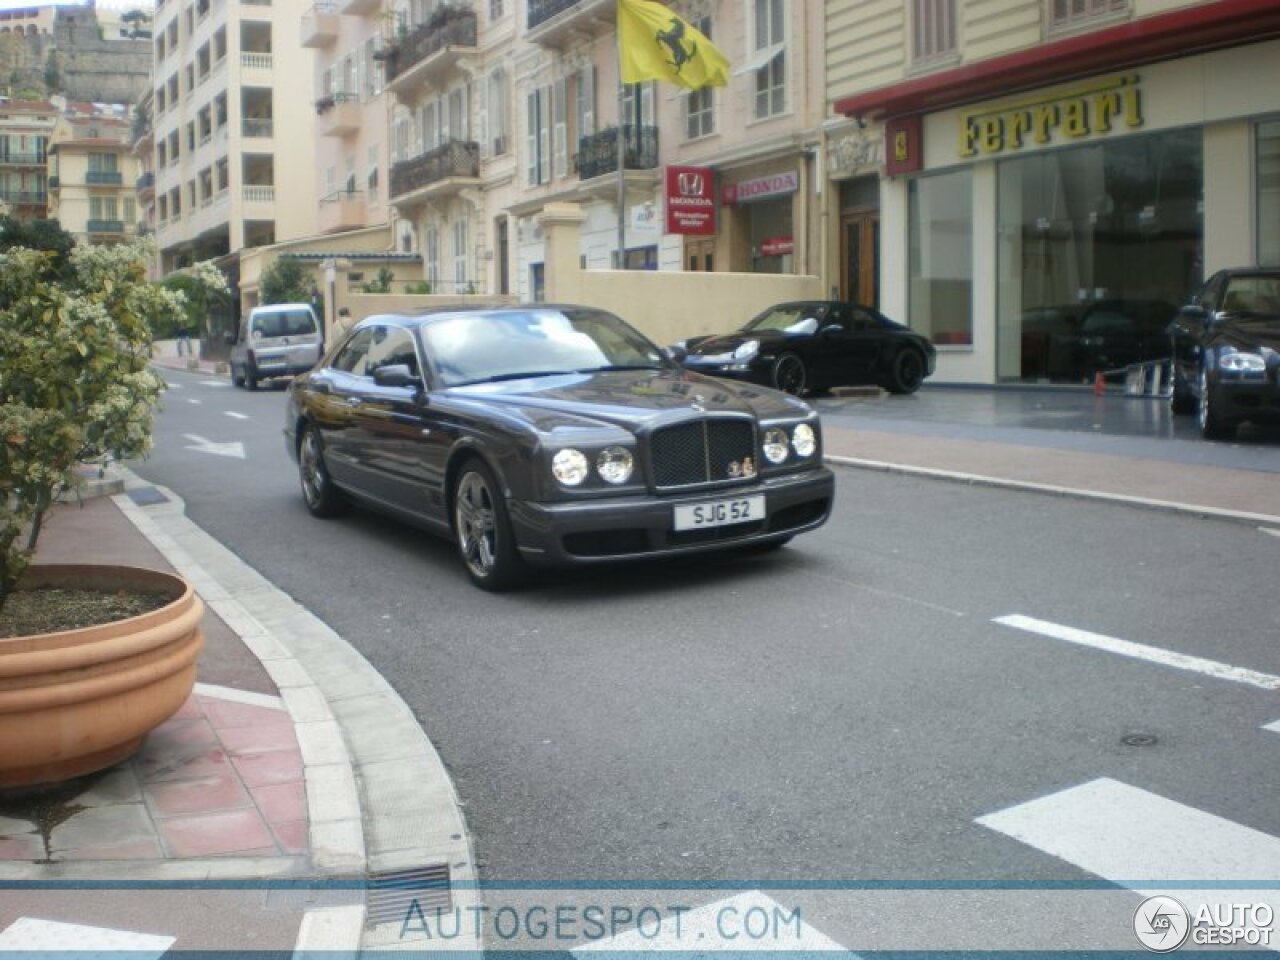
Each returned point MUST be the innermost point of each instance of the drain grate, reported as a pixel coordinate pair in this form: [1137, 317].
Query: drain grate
[393, 893]
[1139, 740]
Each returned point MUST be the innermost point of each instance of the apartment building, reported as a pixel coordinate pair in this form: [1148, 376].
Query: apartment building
[25, 129]
[144, 153]
[92, 177]
[234, 128]
[1024, 180]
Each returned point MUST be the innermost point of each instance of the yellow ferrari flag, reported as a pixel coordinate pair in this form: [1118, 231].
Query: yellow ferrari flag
[655, 44]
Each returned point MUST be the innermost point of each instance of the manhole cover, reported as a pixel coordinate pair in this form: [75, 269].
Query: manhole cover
[147, 496]
[1139, 740]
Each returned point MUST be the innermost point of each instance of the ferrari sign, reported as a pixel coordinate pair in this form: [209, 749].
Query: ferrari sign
[691, 207]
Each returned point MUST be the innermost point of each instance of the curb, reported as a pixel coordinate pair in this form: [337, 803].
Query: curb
[978, 480]
[379, 798]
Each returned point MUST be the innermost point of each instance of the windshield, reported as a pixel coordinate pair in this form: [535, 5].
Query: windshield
[1257, 294]
[476, 347]
[293, 323]
[792, 318]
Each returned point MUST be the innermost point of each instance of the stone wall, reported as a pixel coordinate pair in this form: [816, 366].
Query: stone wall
[105, 71]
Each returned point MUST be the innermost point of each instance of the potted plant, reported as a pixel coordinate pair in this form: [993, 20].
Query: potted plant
[75, 391]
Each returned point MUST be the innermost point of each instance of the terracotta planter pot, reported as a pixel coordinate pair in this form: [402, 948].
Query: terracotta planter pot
[81, 700]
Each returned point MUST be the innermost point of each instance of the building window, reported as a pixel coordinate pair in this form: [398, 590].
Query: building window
[933, 29]
[496, 135]
[770, 51]
[1064, 14]
[940, 257]
[538, 137]
[1098, 246]
[700, 118]
[1269, 193]
[460, 284]
[496, 10]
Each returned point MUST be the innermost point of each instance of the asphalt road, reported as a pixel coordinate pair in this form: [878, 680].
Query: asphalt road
[843, 709]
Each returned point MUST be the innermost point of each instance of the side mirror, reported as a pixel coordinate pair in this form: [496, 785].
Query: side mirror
[831, 330]
[1193, 312]
[676, 353]
[396, 375]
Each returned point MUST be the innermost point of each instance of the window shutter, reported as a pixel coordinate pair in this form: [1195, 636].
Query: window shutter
[531, 140]
[588, 80]
[559, 94]
[544, 135]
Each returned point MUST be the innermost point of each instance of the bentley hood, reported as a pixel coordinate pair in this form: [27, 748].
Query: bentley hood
[631, 400]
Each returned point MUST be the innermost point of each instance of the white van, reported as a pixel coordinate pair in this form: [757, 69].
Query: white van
[279, 340]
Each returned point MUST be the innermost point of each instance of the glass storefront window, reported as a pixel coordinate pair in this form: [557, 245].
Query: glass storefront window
[1098, 245]
[1269, 193]
[939, 296]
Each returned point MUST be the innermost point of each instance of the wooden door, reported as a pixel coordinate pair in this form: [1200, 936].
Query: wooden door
[860, 258]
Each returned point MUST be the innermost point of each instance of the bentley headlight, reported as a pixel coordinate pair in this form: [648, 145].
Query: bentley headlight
[775, 445]
[615, 464]
[747, 351]
[570, 466]
[1243, 363]
[804, 440]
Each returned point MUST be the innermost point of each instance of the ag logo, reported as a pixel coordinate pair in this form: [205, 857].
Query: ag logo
[1161, 924]
[691, 184]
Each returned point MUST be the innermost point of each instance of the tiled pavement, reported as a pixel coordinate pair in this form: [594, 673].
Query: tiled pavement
[221, 777]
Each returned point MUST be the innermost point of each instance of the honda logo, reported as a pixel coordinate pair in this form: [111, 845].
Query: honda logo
[691, 184]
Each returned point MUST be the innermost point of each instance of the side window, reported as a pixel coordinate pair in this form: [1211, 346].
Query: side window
[351, 358]
[391, 346]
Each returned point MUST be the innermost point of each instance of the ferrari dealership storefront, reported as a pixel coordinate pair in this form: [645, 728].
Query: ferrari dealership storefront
[1048, 235]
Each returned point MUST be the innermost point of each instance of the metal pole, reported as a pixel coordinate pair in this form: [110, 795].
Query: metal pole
[622, 182]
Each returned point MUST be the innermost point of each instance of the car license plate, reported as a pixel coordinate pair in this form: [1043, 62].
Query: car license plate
[720, 513]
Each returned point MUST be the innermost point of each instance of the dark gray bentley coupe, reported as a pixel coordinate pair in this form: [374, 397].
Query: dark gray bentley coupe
[550, 434]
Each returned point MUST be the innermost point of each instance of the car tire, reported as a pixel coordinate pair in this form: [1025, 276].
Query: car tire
[1212, 424]
[906, 372]
[1181, 400]
[250, 376]
[789, 374]
[322, 498]
[237, 378]
[482, 529]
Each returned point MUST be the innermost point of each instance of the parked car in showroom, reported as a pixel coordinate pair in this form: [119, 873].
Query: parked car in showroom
[549, 434]
[814, 345]
[1226, 352]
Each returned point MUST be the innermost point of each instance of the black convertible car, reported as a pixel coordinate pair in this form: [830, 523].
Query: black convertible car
[550, 434]
[814, 345]
[1226, 352]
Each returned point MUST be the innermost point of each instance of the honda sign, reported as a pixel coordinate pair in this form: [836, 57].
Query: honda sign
[691, 207]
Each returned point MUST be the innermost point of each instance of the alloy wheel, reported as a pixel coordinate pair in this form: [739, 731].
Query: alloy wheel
[476, 524]
[313, 474]
[788, 374]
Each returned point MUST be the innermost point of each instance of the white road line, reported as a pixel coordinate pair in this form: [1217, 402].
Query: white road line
[29, 935]
[718, 927]
[236, 416]
[193, 401]
[213, 383]
[232, 449]
[1273, 727]
[1140, 840]
[1140, 651]
[1274, 531]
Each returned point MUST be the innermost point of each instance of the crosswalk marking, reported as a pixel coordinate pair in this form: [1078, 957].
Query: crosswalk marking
[89, 943]
[1140, 840]
[1141, 651]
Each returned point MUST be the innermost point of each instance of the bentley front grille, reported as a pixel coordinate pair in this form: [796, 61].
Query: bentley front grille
[703, 452]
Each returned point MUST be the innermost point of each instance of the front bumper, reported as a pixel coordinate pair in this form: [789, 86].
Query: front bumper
[1252, 398]
[732, 371]
[622, 528]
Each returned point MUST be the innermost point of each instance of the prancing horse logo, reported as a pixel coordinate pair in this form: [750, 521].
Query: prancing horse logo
[673, 39]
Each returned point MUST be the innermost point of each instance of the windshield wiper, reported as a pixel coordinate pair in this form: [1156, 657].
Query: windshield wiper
[614, 367]
[499, 377]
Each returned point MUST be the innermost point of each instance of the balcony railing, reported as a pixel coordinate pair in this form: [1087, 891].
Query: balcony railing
[453, 159]
[53, 182]
[104, 178]
[23, 159]
[24, 197]
[145, 182]
[252, 60]
[540, 11]
[598, 153]
[259, 194]
[106, 226]
[449, 26]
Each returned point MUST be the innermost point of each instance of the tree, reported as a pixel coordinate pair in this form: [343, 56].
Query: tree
[288, 280]
[52, 73]
[381, 283]
[45, 235]
[75, 382]
[202, 286]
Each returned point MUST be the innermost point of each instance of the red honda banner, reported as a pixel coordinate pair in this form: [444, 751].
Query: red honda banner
[691, 205]
[777, 246]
